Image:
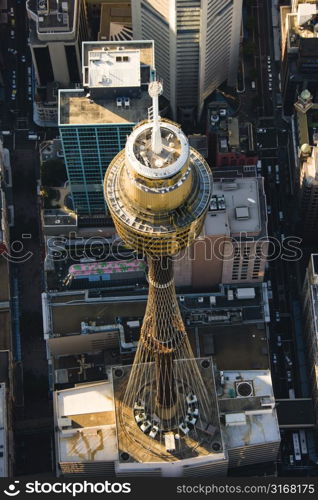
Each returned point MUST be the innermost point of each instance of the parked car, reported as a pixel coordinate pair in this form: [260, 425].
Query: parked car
[288, 360]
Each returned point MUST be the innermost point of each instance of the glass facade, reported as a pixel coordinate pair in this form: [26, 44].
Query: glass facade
[88, 150]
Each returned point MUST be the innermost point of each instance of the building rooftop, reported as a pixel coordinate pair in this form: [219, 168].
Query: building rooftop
[314, 258]
[75, 108]
[307, 124]
[145, 47]
[115, 78]
[89, 427]
[3, 432]
[237, 206]
[114, 68]
[52, 17]
[200, 143]
[67, 310]
[64, 311]
[85, 422]
[249, 407]
[86, 333]
[51, 150]
[115, 21]
[235, 347]
[101, 253]
[301, 24]
[309, 168]
[136, 446]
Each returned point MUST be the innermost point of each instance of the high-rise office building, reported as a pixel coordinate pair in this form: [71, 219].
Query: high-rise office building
[309, 195]
[196, 46]
[57, 29]
[7, 319]
[233, 245]
[95, 121]
[310, 315]
[299, 38]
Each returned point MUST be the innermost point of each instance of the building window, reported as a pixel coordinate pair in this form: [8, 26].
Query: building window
[70, 53]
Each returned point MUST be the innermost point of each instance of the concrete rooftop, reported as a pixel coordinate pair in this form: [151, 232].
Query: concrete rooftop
[245, 192]
[92, 434]
[259, 428]
[77, 109]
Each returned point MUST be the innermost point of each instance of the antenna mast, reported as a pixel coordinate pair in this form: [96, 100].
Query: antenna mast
[155, 89]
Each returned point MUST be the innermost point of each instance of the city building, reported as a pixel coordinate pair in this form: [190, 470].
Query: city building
[51, 150]
[86, 428]
[233, 245]
[308, 194]
[231, 142]
[310, 325]
[299, 49]
[57, 30]
[4, 454]
[45, 105]
[196, 47]
[110, 19]
[6, 318]
[87, 330]
[94, 121]
[249, 419]
[115, 21]
[305, 152]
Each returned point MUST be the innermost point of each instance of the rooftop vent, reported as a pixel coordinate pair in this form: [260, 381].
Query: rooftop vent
[242, 213]
[244, 389]
[229, 186]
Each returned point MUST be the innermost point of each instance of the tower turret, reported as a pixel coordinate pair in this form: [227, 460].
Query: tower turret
[158, 191]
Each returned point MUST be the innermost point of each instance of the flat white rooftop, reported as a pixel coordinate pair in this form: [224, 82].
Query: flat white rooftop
[3, 433]
[242, 205]
[114, 68]
[258, 424]
[89, 431]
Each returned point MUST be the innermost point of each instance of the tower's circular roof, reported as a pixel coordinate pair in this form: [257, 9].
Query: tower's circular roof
[145, 162]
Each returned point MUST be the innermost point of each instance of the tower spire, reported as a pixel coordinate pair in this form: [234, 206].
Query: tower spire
[155, 89]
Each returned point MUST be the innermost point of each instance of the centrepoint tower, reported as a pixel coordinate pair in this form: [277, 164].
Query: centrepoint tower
[158, 191]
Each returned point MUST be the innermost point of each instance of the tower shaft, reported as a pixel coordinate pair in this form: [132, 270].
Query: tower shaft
[165, 335]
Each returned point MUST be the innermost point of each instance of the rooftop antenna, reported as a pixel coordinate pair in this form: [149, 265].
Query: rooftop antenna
[155, 90]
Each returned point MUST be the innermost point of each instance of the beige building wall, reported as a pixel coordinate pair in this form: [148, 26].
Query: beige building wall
[207, 262]
[244, 262]
[196, 45]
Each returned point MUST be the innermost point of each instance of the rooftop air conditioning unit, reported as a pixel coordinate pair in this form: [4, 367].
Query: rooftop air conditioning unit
[64, 423]
[244, 389]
